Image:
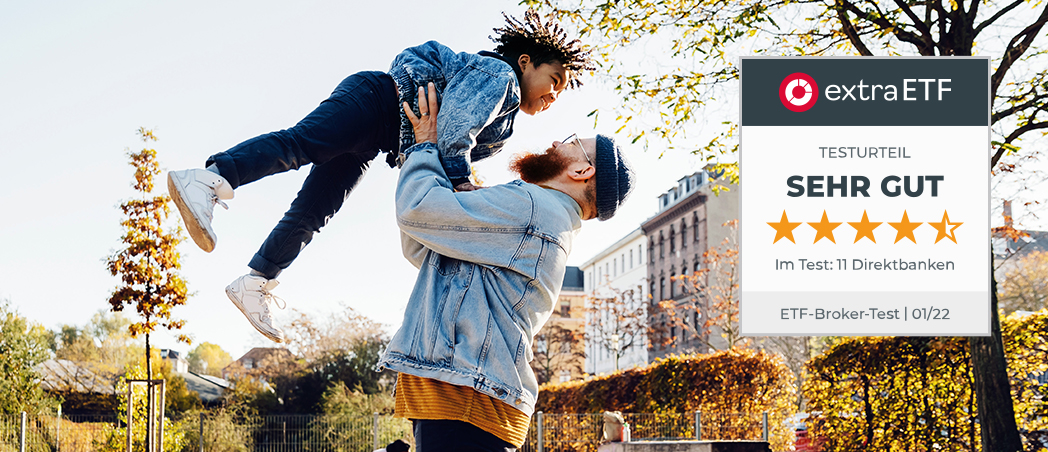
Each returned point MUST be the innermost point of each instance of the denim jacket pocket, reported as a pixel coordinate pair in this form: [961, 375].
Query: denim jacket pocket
[444, 265]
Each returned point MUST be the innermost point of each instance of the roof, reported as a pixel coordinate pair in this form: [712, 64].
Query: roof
[573, 280]
[1004, 248]
[207, 387]
[615, 246]
[259, 353]
[62, 375]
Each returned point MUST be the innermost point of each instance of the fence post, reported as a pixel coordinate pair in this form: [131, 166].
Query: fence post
[21, 434]
[538, 420]
[374, 429]
[764, 426]
[58, 429]
[201, 432]
[698, 426]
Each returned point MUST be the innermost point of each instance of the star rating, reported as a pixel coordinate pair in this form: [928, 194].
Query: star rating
[784, 228]
[941, 227]
[823, 228]
[864, 228]
[904, 228]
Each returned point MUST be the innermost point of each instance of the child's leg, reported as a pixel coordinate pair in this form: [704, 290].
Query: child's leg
[332, 129]
[322, 194]
[370, 123]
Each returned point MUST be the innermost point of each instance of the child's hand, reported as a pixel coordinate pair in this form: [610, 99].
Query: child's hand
[426, 126]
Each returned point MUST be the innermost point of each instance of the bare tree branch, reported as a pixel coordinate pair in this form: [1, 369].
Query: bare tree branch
[849, 30]
[997, 15]
[1013, 136]
[926, 33]
[1016, 49]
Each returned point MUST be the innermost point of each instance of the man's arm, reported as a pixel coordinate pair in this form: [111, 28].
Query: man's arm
[486, 227]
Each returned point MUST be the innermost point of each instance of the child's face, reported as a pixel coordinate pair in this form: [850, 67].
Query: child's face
[540, 85]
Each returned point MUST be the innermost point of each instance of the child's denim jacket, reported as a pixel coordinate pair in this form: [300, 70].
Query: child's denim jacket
[479, 97]
[491, 264]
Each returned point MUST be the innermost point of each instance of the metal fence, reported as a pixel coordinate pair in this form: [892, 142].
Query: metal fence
[221, 432]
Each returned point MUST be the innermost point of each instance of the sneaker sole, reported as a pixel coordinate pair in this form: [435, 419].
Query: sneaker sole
[196, 230]
[250, 320]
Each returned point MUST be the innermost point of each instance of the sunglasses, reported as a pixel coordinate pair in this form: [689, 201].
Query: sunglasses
[574, 139]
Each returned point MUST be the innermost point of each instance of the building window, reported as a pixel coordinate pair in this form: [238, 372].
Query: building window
[565, 308]
[662, 288]
[651, 249]
[697, 262]
[684, 282]
[662, 246]
[652, 291]
[673, 241]
[622, 259]
[695, 226]
[673, 275]
[683, 234]
[615, 267]
[631, 258]
[249, 363]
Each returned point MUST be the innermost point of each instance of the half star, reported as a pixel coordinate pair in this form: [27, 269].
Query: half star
[941, 227]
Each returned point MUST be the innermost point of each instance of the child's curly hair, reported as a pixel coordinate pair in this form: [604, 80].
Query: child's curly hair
[543, 42]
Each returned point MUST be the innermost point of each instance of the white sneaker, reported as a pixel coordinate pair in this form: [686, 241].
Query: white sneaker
[195, 192]
[251, 294]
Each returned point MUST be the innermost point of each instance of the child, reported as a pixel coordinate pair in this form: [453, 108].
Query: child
[481, 94]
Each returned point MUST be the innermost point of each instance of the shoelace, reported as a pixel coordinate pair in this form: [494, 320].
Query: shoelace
[271, 299]
[215, 200]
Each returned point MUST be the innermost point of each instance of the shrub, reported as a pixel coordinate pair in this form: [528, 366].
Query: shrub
[718, 384]
[915, 393]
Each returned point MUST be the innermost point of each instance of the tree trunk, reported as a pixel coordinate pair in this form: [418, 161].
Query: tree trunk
[149, 397]
[993, 393]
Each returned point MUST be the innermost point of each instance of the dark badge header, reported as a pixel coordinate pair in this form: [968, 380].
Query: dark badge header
[865, 91]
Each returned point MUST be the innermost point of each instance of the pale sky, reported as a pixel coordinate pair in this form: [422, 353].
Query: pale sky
[79, 78]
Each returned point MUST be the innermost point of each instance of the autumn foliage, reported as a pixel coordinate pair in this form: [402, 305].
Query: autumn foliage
[720, 385]
[915, 393]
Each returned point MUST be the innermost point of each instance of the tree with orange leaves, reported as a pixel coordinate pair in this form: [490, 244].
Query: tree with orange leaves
[715, 296]
[149, 262]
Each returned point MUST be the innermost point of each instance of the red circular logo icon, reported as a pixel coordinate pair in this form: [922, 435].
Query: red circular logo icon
[798, 92]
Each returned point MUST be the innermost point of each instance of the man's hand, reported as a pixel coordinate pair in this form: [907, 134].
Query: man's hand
[467, 186]
[426, 126]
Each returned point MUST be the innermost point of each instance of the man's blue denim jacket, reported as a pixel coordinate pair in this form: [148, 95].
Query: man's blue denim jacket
[491, 264]
[479, 96]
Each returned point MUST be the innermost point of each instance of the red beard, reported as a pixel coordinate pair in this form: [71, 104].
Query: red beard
[538, 168]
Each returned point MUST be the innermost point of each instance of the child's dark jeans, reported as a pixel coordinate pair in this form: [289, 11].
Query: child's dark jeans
[340, 138]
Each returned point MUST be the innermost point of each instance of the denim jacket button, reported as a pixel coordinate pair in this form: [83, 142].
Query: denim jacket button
[518, 402]
[500, 392]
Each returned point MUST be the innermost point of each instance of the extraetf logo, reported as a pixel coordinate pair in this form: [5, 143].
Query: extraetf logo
[798, 92]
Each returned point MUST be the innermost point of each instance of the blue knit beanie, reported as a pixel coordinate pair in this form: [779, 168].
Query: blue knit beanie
[615, 177]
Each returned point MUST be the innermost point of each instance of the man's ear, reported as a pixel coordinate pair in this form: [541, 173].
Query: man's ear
[581, 171]
[523, 61]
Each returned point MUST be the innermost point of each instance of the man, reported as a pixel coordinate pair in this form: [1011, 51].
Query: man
[491, 263]
[533, 63]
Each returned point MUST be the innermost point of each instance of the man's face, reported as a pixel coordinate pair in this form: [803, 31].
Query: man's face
[540, 85]
[570, 158]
